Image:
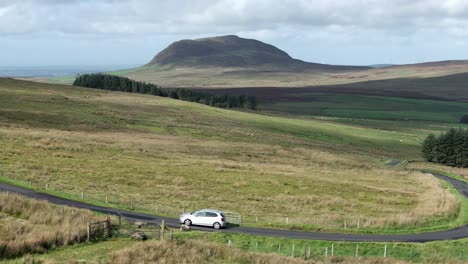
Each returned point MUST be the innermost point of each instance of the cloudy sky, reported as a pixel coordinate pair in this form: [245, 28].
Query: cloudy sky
[111, 32]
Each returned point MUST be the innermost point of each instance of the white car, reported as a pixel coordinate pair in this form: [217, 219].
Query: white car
[204, 217]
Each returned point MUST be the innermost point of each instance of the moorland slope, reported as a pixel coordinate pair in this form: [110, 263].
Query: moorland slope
[158, 152]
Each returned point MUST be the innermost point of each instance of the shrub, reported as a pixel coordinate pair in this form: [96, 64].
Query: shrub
[464, 119]
[450, 148]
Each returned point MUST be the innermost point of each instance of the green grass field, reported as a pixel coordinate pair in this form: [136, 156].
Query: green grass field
[157, 153]
[373, 107]
[315, 167]
[343, 252]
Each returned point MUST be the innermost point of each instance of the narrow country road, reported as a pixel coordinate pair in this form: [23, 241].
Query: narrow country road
[456, 233]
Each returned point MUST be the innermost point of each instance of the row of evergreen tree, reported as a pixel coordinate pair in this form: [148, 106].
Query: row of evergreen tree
[450, 148]
[124, 84]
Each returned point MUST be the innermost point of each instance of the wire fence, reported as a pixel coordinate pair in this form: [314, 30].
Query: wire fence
[420, 252]
[313, 221]
[115, 201]
[306, 250]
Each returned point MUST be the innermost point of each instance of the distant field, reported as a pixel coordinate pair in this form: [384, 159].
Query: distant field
[372, 107]
[266, 76]
[168, 153]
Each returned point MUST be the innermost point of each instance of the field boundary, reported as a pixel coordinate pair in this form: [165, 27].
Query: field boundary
[455, 233]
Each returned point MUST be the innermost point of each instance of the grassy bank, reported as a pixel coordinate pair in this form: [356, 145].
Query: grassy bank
[433, 252]
[30, 226]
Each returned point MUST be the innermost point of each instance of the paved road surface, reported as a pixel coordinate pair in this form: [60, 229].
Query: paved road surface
[456, 233]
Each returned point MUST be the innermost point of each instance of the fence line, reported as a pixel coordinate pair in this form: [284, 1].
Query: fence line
[358, 250]
[341, 222]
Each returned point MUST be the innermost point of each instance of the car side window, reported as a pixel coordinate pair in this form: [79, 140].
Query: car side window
[211, 214]
[201, 214]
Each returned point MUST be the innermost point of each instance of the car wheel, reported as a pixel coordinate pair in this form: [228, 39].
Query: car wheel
[217, 226]
[187, 222]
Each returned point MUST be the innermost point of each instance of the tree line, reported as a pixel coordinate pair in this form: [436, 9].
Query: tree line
[124, 84]
[450, 148]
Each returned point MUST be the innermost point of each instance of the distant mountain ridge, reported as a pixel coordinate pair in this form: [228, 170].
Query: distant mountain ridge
[233, 51]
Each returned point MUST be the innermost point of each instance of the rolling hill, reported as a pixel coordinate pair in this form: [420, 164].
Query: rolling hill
[168, 155]
[233, 51]
[229, 62]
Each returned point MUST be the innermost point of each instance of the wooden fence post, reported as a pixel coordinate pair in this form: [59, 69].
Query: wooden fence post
[68, 237]
[385, 251]
[333, 250]
[107, 200]
[229, 243]
[163, 226]
[326, 252]
[292, 251]
[357, 250]
[279, 248]
[88, 232]
[78, 237]
[308, 252]
[109, 226]
[82, 194]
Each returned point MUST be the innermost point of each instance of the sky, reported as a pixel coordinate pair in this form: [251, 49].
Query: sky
[131, 32]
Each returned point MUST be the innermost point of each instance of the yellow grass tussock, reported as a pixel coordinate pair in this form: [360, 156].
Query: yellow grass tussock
[29, 226]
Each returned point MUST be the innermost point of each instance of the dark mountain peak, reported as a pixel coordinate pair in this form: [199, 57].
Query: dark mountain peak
[223, 51]
[231, 51]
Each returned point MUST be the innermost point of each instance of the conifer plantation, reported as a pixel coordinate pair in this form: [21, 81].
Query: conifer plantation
[450, 148]
[123, 84]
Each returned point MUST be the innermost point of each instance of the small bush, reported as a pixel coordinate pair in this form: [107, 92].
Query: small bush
[464, 119]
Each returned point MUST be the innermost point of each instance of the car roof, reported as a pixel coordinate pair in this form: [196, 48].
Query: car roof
[211, 210]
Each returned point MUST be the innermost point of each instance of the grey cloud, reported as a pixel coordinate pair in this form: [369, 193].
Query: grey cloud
[195, 17]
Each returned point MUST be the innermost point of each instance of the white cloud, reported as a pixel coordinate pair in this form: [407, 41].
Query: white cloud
[307, 29]
[198, 17]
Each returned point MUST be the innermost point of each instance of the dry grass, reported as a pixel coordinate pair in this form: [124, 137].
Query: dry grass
[156, 152]
[462, 172]
[306, 185]
[215, 77]
[31, 226]
[198, 251]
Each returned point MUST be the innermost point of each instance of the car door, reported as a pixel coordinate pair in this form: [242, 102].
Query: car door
[200, 219]
[211, 218]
